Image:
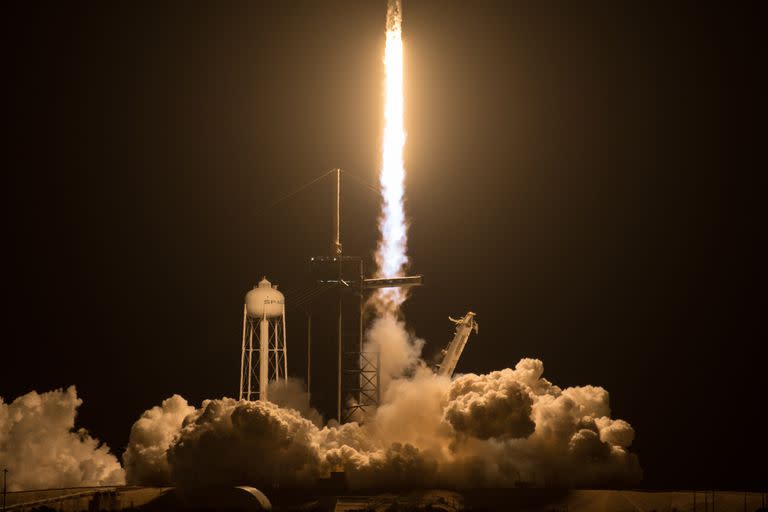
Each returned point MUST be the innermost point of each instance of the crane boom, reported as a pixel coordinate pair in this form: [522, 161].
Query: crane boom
[464, 327]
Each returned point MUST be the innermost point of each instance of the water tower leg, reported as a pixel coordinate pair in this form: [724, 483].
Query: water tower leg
[242, 354]
[285, 348]
[263, 358]
[250, 359]
[275, 346]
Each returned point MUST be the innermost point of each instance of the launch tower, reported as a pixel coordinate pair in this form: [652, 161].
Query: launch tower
[357, 382]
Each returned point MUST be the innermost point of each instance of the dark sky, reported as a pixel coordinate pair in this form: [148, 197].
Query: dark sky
[582, 175]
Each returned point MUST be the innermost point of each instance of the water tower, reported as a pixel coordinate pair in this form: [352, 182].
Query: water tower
[264, 357]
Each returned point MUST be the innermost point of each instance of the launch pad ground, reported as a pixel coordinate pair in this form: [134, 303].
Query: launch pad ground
[532, 500]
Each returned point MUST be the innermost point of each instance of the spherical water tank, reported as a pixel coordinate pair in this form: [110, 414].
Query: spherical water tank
[264, 301]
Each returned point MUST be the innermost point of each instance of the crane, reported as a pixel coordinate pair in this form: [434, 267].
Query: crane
[464, 327]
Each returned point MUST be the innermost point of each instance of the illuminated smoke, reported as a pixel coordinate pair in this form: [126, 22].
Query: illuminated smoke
[42, 449]
[145, 458]
[398, 350]
[499, 429]
[503, 428]
[391, 257]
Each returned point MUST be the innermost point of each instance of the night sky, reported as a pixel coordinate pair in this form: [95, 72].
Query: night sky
[583, 176]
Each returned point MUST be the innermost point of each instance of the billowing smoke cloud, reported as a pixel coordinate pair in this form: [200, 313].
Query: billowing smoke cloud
[227, 441]
[497, 429]
[41, 448]
[399, 351]
[490, 407]
[145, 458]
[291, 394]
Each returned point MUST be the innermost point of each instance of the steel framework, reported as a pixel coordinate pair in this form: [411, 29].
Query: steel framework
[358, 380]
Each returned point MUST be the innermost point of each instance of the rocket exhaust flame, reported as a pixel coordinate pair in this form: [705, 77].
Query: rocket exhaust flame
[391, 257]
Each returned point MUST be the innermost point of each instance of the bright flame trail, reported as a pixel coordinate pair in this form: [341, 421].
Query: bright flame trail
[391, 257]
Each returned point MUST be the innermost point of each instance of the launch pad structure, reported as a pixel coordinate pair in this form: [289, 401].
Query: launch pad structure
[264, 352]
[358, 378]
[264, 356]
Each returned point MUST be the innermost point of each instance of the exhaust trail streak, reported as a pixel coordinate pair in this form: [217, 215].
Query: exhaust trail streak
[391, 257]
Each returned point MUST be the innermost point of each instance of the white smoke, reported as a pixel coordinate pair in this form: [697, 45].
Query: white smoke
[291, 394]
[145, 458]
[399, 351]
[497, 429]
[491, 406]
[41, 448]
[227, 441]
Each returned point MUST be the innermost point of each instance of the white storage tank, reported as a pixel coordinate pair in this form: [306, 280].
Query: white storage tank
[264, 356]
[264, 301]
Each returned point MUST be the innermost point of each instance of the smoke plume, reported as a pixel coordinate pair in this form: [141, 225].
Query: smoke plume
[291, 394]
[399, 351]
[498, 429]
[41, 448]
[145, 458]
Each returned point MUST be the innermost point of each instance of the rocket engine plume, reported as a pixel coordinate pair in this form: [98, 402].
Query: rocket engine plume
[391, 257]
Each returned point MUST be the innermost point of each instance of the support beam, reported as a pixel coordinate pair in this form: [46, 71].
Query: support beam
[242, 352]
[263, 358]
[392, 282]
[340, 364]
[309, 356]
